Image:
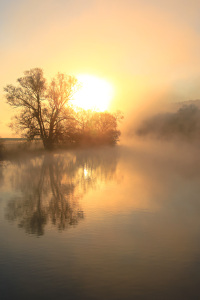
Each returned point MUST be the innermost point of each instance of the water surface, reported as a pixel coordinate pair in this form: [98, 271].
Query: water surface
[110, 223]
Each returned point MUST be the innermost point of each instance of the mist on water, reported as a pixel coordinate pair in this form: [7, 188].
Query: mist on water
[121, 212]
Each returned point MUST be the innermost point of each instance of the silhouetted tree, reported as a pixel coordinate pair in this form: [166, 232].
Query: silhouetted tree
[42, 106]
[44, 113]
[1, 149]
[93, 128]
[184, 124]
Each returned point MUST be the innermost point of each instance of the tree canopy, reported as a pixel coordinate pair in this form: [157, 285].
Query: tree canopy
[182, 124]
[43, 111]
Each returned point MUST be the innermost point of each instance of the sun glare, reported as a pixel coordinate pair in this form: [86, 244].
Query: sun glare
[94, 93]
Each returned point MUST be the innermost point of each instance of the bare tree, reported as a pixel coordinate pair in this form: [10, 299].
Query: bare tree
[41, 107]
[44, 112]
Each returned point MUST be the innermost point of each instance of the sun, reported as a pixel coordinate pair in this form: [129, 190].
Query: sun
[94, 93]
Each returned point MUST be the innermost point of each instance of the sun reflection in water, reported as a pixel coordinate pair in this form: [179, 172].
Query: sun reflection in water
[85, 172]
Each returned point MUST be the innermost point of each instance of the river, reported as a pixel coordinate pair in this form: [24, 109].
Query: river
[109, 223]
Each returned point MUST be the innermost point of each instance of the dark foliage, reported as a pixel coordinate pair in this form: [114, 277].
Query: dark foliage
[185, 124]
[1, 149]
[44, 112]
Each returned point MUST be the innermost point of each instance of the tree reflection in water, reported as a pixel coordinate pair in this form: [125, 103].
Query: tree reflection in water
[52, 185]
[1, 174]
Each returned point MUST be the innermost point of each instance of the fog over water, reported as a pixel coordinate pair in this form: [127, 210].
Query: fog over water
[116, 222]
[110, 222]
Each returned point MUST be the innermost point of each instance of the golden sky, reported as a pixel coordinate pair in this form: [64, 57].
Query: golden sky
[148, 49]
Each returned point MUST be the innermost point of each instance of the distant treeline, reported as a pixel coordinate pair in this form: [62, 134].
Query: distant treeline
[1, 149]
[184, 124]
[11, 139]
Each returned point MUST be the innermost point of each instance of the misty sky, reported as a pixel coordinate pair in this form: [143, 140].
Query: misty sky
[148, 49]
